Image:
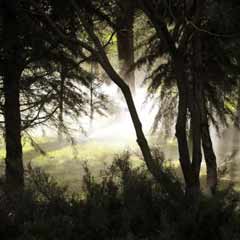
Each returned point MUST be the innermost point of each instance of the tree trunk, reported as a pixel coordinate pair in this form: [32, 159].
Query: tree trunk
[209, 155]
[125, 44]
[124, 87]
[94, 72]
[194, 103]
[181, 132]
[196, 135]
[210, 158]
[91, 105]
[152, 166]
[61, 104]
[11, 87]
[192, 186]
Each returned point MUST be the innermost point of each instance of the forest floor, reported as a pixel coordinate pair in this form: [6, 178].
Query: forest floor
[65, 161]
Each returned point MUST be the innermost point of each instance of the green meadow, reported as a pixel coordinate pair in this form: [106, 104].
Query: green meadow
[65, 160]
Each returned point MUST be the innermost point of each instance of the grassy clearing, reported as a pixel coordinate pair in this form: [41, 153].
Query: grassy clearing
[65, 161]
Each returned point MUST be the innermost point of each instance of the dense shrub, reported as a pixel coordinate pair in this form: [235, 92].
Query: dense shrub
[124, 203]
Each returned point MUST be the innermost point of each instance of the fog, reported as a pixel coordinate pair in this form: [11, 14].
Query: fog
[116, 133]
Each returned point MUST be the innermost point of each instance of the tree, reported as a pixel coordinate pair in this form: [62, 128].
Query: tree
[157, 13]
[184, 31]
[30, 54]
[84, 11]
[12, 68]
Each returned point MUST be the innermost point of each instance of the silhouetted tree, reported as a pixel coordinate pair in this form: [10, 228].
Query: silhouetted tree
[12, 68]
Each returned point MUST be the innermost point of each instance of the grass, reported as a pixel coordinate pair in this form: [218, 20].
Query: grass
[64, 161]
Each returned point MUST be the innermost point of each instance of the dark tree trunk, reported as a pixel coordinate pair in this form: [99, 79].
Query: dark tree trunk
[125, 44]
[179, 67]
[91, 105]
[95, 73]
[61, 103]
[209, 154]
[178, 54]
[196, 135]
[11, 87]
[188, 100]
[192, 185]
[194, 103]
[14, 161]
[210, 158]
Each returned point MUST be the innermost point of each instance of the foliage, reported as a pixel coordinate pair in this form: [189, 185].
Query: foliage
[125, 203]
[43, 61]
[218, 30]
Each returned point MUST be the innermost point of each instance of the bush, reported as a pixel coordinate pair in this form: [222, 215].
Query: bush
[124, 203]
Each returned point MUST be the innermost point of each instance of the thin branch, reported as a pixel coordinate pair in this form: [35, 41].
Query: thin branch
[221, 35]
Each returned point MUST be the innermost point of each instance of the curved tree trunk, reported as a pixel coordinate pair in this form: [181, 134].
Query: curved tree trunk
[11, 88]
[141, 139]
[124, 87]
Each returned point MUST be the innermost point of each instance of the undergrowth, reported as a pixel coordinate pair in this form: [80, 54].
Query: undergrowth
[124, 203]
